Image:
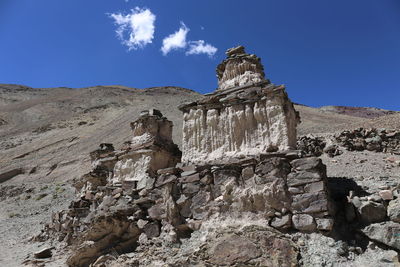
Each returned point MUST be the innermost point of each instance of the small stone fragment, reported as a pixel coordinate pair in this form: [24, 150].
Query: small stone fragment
[324, 224]
[386, 194]
[282, 223]
[393, 210]
[43, 254]
[303, 222]
[372, 212]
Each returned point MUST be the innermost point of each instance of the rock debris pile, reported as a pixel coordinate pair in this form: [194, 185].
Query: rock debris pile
[115, 212]
[377, 140]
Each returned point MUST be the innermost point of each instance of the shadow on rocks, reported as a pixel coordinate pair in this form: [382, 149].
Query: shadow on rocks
[347, 224]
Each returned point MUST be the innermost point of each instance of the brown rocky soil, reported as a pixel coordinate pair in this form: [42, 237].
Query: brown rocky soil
[46, 135]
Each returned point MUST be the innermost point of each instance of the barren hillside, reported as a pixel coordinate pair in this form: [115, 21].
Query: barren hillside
[53, 129]
[46, 135]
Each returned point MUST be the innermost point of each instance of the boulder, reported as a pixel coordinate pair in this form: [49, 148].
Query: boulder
[386, 194]
[387, 233]
[304, 222]
[310, 202]
[393, 210]
[305, 164]
[282, 223]
[199, 205]
[247, 172]
[234, 249]
[273, 167]
[372, 212]
[43, 253]
[303, 177]
[324, 224]
[255, 246]
[151, 229]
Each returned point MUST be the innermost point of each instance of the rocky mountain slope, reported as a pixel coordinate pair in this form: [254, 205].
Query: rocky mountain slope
[53, 128]
[46, 135]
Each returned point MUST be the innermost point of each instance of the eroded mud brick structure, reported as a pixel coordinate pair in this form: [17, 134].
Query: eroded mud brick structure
[246, 115]
[150, 149]
[238, 165]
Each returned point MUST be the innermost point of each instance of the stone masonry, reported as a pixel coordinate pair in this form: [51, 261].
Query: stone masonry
[238, 162]
[247, 115]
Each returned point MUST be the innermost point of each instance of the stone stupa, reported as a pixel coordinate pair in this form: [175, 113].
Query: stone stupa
[246, 116]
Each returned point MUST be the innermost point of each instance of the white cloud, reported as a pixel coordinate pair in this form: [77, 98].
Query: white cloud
[200, 47]
[135, 30]
[176, 40]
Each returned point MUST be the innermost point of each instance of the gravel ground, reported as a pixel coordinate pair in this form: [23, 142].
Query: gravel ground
[23, 215]
[374, 171]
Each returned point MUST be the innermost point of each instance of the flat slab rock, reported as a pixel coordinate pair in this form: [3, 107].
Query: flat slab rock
[255, 247]
[251, 245]
[43, 253]
[387, 233]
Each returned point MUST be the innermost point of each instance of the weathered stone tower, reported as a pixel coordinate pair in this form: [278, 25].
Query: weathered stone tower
[150, 149]
[247, 115]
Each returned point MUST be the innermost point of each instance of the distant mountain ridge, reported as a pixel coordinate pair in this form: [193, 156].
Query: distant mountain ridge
[362, 112]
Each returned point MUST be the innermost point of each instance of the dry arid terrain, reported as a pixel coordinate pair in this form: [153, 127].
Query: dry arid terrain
[46, 135]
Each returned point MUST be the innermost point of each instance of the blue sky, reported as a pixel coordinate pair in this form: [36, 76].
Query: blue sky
[341, 52]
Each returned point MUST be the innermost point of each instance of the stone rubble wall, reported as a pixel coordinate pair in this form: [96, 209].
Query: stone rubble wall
[377, 140]
[376, 212]
[241, 122]
[287, 190]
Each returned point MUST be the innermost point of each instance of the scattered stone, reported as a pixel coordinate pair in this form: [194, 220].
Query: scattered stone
[188, 173]
[314, 187]
[393, 210]
[305, 164]
[282, 223]
[189, 168]
[303, 177]
[190, 179]
[386, 194]
[387, 233]
[247, 172]
[171, 170]
[303, 222]
[372, 212]
[256, 246]
[43, 253]
[356, 202]
[141, 223]
[190, 188]
[164, 179]
[296, 190]
[234, 250]
[151, 230]
[324, 224]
